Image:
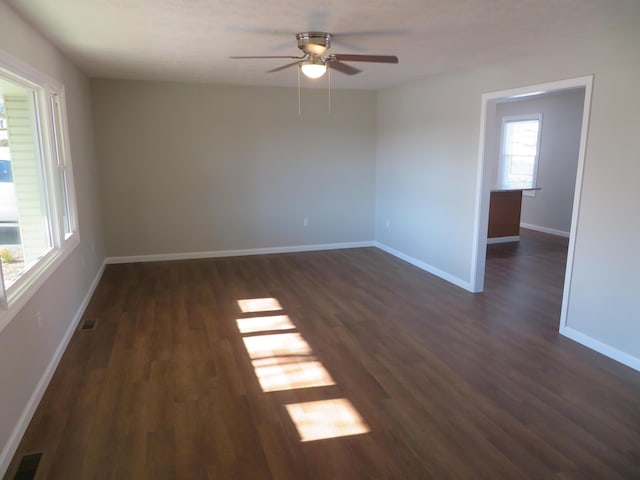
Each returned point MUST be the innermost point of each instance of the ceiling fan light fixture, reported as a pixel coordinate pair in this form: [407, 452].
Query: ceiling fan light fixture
[315, 67]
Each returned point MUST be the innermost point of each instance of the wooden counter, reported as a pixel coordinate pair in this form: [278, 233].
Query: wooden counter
[504, 215]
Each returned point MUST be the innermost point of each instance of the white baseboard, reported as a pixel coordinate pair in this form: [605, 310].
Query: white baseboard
[30, 408]
[426, 267]
[550, 231]
[603, 348]
[236, 253]
[297, 248]
[515, 238]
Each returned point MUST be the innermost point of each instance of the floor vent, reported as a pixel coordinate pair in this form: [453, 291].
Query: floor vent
[89, 323]
[28, 466]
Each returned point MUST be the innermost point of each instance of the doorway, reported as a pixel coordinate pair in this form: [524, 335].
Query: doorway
[487, 165]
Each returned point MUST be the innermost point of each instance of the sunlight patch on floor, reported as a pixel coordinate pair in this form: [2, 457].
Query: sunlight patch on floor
[253, 305]
[277, 344]
[264, 324]
[326, 419]
[285, 361]
[274, 374]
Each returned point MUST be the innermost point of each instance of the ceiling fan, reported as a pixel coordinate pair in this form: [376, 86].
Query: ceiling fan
[315, 61]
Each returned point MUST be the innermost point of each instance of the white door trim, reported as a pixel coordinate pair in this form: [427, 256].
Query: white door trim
[483, 180]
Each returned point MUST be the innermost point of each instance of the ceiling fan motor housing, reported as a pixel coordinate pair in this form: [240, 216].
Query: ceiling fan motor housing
[314, 43]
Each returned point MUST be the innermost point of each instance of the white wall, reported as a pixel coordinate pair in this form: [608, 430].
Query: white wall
[26, 349]
[200, 168]
[428, 137]
[551, 206]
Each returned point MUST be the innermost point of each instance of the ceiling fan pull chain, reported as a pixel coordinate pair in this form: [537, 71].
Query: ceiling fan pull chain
[329, 80]
[299, 105]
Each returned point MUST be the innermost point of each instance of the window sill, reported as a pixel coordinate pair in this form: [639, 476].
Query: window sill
[27, 286]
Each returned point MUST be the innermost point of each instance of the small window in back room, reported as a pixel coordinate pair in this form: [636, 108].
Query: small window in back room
[519, 151]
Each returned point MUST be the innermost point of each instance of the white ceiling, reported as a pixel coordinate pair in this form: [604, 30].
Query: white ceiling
[191, 40]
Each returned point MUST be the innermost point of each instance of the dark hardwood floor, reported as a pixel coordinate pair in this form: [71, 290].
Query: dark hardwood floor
[422, 379]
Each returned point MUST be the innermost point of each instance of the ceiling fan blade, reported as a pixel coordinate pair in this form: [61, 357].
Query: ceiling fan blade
[275, 56]
[342, 67]
[365, 58]
[283, 67]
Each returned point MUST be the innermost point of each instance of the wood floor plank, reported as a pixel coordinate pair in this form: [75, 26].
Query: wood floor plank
[438, 383]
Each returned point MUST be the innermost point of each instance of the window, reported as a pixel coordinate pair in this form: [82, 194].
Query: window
[519, 151]
[37, 206]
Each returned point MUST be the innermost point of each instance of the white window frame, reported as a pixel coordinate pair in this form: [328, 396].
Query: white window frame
[53, 133]
[502, 173]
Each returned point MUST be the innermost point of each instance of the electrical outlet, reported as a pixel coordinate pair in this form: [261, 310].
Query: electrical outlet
[305, 222]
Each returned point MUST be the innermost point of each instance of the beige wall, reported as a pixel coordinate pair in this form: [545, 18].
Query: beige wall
[428, 137]
[27, 348]
[195, 168]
